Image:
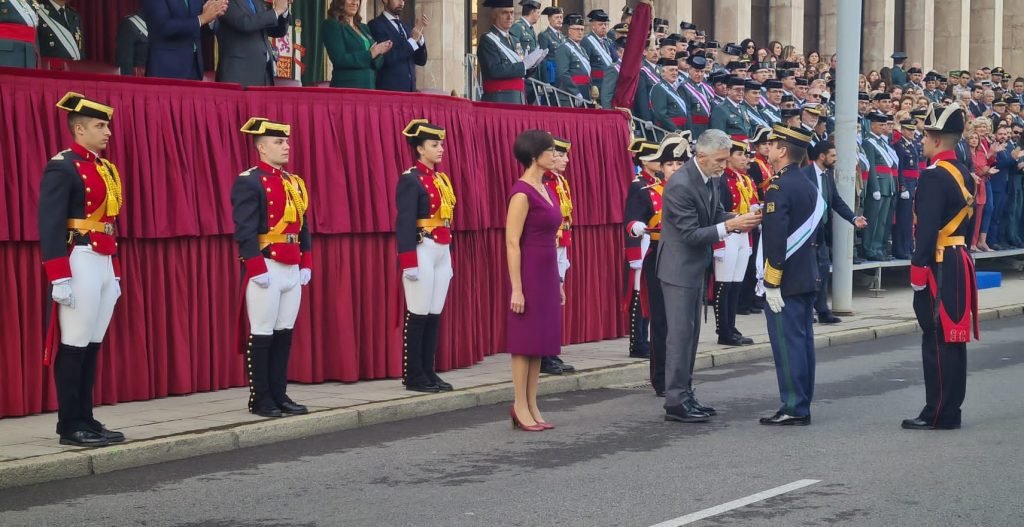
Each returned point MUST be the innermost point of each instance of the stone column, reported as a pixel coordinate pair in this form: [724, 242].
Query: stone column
[675, 11]
[732, 20]
[952, 35]
[919, 17]
[787, 23]
[986, 33]
[446, 45]
[878, 34]
[829, 29]
[1013, 41]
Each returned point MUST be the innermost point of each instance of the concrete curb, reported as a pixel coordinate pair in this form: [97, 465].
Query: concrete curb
[77, 463]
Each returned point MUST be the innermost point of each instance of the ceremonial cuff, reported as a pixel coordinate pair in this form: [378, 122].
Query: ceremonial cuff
[722, 231]
[116, 262]
[919, 275]
[633, 254]
[407, 260]
[306, 260]
[255, 266]
[57, 268]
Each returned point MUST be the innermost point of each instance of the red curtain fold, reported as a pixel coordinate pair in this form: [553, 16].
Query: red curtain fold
[178, 148]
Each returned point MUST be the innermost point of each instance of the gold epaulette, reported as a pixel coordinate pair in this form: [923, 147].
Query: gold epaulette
[247, 172]
[59, 156]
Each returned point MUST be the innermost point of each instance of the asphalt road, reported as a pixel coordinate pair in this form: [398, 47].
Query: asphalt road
[613, 461]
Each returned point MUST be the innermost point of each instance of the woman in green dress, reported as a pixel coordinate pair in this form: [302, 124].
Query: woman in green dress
[351, 48]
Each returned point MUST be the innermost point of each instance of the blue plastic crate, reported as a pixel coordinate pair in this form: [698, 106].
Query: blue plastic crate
[989, 279]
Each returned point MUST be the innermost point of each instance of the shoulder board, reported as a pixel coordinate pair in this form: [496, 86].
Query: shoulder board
[773, 186]
[60, 155]
[248, 172]
[412, 171]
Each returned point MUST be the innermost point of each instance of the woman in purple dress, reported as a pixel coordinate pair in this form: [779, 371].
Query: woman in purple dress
[535, 314]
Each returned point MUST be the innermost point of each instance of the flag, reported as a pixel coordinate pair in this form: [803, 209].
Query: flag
[633, 55]
[301, 50]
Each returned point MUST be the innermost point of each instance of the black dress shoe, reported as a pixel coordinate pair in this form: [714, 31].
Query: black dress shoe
[566, 368]
[686, 414]
[111, 436]
[551, 368]
[916, 424]
[659, 393]
[731, 340]
[84, 438]
[443, 386]
[700, 407]
[995, 247]
[423, 388]
[781, 419]
[289, 406]
[829, 318]
[744, 341]
[640, 355]
[744, 311]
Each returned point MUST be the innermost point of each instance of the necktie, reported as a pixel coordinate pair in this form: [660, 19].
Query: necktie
[252, 6]
[401, 30]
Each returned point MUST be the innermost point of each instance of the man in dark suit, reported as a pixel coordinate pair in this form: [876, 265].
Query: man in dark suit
[693, 219]
[243, 34]
[175, 50]
[408, 47]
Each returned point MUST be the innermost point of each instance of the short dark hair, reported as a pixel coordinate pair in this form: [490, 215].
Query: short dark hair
[794, 154]
[530, 145]
[528, 9]
[819, 149]
[75, 119]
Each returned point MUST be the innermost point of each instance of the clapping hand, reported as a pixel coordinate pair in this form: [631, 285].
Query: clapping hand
[417, 29]
[281, 6]
[380, 48]
[212, 10]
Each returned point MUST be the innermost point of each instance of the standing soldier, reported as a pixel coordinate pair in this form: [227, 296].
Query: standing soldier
[643, 223]
[698, 99]
[789, 271]
[80, 199]
[942, 271]
[761, 175]
[611, 75]
[503, 63]
[550, 39]
[17, 34]
[773, 101]
[132, 44]
[732, 254]
[572, 66]
[522, 30]
[425, 200]
[636, 247]
[752, 106]
[269, 209]
[669, 108]
[646, 81]
[880, 188]
[60, 33]
[599, 47]
[909, 171]
[729, 117]
[559, 185]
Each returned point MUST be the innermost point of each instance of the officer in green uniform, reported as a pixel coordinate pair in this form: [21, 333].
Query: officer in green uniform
[572, 66]
[729, 116]
[646, 81]
[503, 64]
[132, 44]
[18, 23]
[670, 110]
[60, 31]
[600, 48]
[522, 30]
[550, 39]
[611, 75]
[881, 187]
[696, 94]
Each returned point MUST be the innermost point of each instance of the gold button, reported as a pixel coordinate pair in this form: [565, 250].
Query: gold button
[273, 253]
[268, 189]
[271, 202]
[94, 244]
[88, 203]
[77, 164]
[87, 189]
[264, 178]
[83, 177]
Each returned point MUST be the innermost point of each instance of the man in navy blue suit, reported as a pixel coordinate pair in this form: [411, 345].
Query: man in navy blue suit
[409, 48]
[175, 49]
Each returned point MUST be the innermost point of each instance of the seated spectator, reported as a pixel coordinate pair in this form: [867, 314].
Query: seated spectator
[244, 34]
[351, 48]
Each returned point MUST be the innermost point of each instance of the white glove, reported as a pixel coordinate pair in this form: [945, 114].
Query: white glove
[905, 194]
[918, 287]
[534, 57]
[62, 294]
[773, 296]
[754, 207]
[262, 280]
[305, 275]
[636, 264]
[719, 255]
[412, 274]
[117, 287]
[876, 195]
[638, 229]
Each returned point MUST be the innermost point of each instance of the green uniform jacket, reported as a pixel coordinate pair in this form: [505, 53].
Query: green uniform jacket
[646, 81]
[611, 78]
[668, 105]
[602, 55]
[885, 184]
[527, 38]
[550, 39]
[569, 64]
[14, 53]
[497, 64]
[350, 55]
[699, 116]
[730, 118]
[48, 40]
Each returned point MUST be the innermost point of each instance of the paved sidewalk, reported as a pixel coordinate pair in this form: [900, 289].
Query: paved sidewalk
[27, 440]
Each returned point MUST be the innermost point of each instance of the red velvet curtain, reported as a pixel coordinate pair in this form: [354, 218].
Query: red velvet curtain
[178, 149]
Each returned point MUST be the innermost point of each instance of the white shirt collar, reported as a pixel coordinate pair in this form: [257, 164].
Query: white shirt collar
[502, 33]
[702, 175]
[390, 17]
[818, 171]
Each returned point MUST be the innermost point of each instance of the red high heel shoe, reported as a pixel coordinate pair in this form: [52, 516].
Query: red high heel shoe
[521, 426]
[547, 426]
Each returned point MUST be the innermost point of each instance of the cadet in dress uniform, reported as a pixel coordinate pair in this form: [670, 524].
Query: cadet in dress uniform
[559, 185]
[880, 187]
[132, 44]
[909, 171]
[669, 108]
[269, 210]
[425, 201]
[572, 65]
[59, 33]
[503, 63]
[599, 47]
[792, 210]
[728, 116]
[636, 248]
[18, 23]
[550, 39]
[732, 255]
[80, 199]
[942, 271]
[697, 95]
[643, 224]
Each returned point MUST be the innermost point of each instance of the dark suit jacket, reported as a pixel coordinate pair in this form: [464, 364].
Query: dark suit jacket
[243, 38]
[399, 70]
[689, 226]
[175, 48]
[835, 202]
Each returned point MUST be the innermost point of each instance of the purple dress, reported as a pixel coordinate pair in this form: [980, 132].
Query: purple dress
[538, 331]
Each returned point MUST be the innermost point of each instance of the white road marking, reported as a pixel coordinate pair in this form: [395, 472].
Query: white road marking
[735, 504]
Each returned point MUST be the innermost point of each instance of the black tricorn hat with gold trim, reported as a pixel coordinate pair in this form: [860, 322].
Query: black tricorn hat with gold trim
[642, 147]
[77, 103]
[419, 130]
[945, 119]
[674, 147]
[794, 135]
[761, 134]
[562, 145]
[265, 127]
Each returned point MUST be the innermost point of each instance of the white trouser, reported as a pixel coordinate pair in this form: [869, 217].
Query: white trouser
[92, 283]
[274, 307]
[426, 295]
[733, 264]
[645, 245]
[563, 262]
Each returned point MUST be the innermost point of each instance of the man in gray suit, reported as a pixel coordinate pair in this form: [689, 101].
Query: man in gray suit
[243, 31]
[693, 220]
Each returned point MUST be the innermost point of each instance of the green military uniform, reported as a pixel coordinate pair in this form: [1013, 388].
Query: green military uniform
[730, 118]
[883, 164]
[60, 33]
[550, 39]
[645, 83]
[132, 44]
[601, 50]
[572, 70]
[524, 33]
[670, 110]
[17, 34]
[611, 78]
[501, 67]
[699, 103]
